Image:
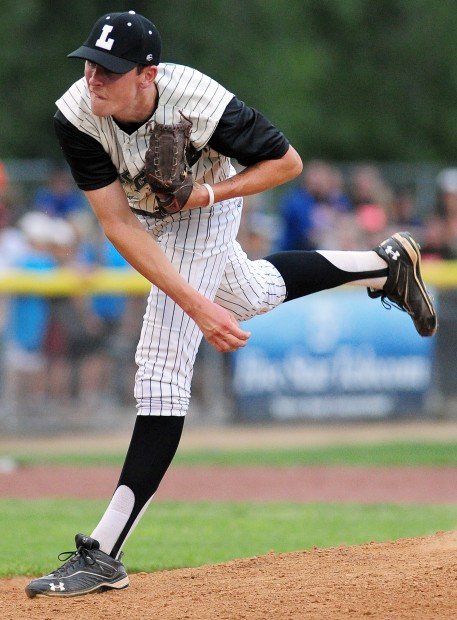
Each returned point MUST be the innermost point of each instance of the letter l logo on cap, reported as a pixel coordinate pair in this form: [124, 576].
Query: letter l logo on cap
[103, 41]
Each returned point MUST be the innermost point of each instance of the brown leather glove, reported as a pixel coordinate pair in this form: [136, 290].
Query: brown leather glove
[166, 165]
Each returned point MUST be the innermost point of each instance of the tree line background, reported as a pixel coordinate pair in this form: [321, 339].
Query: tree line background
[344, 79]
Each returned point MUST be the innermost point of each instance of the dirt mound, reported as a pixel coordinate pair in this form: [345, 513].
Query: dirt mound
[411, 578]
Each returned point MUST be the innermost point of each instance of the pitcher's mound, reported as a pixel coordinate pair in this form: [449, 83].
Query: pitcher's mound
[410, 578]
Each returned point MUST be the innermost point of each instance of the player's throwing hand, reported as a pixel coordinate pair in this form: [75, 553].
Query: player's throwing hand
[219, 327]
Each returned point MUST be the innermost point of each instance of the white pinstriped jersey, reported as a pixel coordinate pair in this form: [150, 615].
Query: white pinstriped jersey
[200, 243]
[200, 98]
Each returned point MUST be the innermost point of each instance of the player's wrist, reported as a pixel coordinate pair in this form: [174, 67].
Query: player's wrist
[198, 198]
[195, 304]
[210, 193]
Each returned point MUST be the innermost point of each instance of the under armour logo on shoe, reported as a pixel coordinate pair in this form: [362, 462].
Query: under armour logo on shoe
[57, 586]
[394, 254]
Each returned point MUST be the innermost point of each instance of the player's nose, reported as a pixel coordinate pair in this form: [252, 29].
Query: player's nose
[95, 75]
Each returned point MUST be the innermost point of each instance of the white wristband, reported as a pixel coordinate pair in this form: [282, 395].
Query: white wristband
[210, 191]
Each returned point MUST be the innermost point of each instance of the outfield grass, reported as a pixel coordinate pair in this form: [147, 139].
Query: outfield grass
[177, 534]
[377, 454]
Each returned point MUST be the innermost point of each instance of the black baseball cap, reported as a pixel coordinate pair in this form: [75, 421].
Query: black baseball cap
[121, 41]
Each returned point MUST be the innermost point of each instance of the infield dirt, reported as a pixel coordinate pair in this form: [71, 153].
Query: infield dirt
[406, 579]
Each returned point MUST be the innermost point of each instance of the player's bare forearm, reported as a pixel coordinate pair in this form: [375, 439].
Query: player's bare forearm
[262, 176]
[252, 180]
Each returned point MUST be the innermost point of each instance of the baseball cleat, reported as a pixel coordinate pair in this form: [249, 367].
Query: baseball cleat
[405, 288]
[86, 570]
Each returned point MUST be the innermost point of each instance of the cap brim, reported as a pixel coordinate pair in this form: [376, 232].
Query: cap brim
[108, 61]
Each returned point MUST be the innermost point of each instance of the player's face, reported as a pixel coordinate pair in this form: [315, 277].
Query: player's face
[112, 94]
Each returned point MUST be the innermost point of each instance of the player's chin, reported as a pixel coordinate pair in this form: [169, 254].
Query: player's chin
[100, 107]
[100, 112]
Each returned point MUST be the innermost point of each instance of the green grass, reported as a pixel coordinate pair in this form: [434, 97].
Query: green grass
[175, 534]
[378, 454]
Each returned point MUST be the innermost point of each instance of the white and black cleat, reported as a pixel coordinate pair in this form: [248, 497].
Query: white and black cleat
[404, 287]
[85, 570]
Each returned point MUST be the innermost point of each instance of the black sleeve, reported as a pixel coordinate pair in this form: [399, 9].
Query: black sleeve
[246, 135]
[89, 163]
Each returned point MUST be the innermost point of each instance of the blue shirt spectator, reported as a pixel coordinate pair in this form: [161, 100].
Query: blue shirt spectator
[309, 210]
[29, 314]
[297, 220]
[60, 198]
[102, 253]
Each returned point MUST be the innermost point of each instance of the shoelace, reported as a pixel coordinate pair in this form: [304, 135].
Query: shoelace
[69, 557]
[389, 304]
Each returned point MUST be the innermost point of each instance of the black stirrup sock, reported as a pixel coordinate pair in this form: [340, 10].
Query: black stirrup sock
[153, 445]
[306, 272]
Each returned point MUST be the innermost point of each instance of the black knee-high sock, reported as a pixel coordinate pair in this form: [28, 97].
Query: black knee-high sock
[153, 445]
[306, 272]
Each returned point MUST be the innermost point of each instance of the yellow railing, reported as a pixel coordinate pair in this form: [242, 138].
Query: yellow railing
[441, 274]
[65, 282]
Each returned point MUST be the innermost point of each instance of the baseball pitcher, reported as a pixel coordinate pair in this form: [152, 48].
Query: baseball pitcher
[151, 145]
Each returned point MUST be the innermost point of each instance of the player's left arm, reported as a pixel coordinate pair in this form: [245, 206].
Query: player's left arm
[248, 136]
[253, 179]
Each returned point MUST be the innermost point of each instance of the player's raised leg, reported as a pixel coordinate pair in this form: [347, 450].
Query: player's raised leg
[390, 271]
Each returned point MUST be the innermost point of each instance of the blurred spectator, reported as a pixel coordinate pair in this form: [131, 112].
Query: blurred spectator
[348, 233]
[372, 220]
[109, 311]
[337, 197]
[13, 244]
[82, 338]
[60, 197]
[330, 209]
[446, 185]
[12, 241]
[28, 320]
[121, 349]
[309, 212]
[258, 229]
[434, 244]
[62, 373]
[65, 349]
[404, 215]
[445, 217]
[368, 187]
[372, 200]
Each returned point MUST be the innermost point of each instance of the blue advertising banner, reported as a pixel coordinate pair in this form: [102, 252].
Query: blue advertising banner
[338, 354]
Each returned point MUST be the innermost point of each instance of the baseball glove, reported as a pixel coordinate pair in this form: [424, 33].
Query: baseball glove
[167, 167]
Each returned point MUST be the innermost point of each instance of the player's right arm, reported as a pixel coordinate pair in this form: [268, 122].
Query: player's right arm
[126, 233]
[95, 174]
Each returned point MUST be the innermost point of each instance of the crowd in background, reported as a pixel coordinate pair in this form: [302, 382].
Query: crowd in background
[327, 210]
[65, 348]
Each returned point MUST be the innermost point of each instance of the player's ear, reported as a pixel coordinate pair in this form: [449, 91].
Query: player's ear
[148, 75]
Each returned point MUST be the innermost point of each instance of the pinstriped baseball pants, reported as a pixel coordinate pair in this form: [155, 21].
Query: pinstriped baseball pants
[201, 245]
